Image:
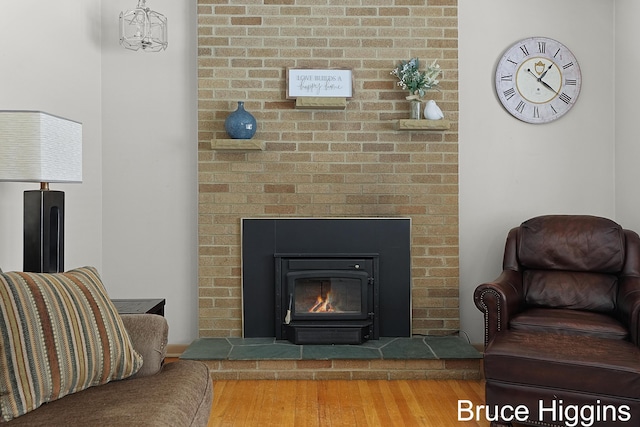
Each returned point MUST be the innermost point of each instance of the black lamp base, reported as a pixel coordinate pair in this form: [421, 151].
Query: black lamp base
[43, 231]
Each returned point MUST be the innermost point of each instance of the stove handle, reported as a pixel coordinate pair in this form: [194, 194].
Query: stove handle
[287, 318]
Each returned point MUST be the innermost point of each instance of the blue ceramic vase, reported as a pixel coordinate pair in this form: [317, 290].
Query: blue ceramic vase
[240, 124]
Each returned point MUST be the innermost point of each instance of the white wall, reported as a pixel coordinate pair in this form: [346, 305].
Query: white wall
[134, 216]
[511, 171]
[627, 113]
[149, 164]
[51, 62]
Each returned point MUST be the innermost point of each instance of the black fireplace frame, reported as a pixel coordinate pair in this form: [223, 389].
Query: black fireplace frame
[264, 237]
[333, 328]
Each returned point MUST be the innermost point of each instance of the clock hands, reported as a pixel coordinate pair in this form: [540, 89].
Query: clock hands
[545, 83]
[548, 87]
[539, 79]
[531, 72]
[545, 72]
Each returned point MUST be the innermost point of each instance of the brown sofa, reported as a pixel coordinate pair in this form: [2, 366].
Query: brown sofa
[562, 324]
[173, 394]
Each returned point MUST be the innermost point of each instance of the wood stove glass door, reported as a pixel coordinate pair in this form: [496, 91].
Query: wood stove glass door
[326, 295]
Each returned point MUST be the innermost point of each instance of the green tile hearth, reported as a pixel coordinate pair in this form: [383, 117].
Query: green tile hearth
[386, 348]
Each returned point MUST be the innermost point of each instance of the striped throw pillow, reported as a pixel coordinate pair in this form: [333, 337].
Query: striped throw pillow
[60, 333]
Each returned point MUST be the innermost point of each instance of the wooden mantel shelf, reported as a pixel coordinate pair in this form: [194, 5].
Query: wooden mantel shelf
[237, 144]
[320, 103]
[409, 124]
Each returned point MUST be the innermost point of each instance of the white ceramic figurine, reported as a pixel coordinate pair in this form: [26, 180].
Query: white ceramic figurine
[432, 111]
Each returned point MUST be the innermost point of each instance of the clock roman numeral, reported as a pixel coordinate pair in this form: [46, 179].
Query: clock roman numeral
[507, 78]
[512, 61]
[520, 107]
[524, 50]
[565, 98]
[542, 47]
[536, 113]
[509, 93]
[557, 52]
[570, 82]
[553, 109]
[568, 65]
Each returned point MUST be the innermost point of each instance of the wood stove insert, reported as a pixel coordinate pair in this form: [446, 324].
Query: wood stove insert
[388, 240]
[326, 298]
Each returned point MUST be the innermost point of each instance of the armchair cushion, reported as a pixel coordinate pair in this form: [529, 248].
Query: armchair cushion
[573, 243]
[570, 322]
[570, 289]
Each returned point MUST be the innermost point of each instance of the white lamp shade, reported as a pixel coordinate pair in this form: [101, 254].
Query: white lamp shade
[39, 147]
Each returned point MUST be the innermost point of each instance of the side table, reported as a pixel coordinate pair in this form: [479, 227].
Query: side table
[139, 306]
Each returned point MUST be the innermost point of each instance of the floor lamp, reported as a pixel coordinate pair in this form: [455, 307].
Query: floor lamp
[40, 147]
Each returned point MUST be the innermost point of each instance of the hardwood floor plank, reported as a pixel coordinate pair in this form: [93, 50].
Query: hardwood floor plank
[394, 404]
[258, 410]
[378, 404]
[366, 400]
[412, 403]
[329, 401]
[336, 403]
[306, 404]
[358, 407]
[432, 396]
[230, 410]
[290, 397]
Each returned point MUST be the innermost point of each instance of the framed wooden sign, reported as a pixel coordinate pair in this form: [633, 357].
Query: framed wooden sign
[319, 83]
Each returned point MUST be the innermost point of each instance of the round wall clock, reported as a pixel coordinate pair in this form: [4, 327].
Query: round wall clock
[538, 80]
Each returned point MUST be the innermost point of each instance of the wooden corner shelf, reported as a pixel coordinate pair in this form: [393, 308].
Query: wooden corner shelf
[424, 124]
[321, 103]
[237, 144]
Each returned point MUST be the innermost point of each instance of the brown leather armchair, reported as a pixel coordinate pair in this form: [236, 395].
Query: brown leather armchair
[562, 325]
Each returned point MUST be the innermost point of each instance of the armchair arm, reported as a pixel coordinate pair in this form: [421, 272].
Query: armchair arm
[148, 334]
[629, 306]
[499, 301]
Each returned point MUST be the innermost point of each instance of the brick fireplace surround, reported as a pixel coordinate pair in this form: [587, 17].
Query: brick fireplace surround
[326, 163]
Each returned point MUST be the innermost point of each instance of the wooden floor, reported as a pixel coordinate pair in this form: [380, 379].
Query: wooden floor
[343, 403]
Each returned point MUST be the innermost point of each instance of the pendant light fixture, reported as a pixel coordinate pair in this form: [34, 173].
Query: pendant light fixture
[143, 28]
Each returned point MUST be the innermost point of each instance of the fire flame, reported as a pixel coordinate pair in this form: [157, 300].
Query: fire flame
[322, 305]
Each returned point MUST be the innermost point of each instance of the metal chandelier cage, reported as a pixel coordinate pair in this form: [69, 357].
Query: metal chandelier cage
[143, 28]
